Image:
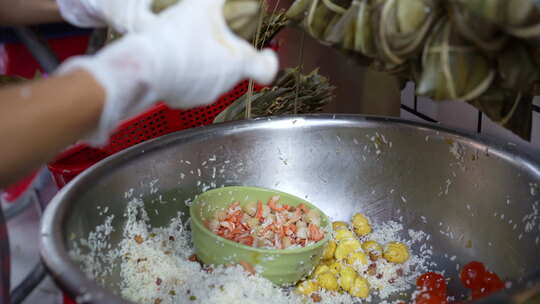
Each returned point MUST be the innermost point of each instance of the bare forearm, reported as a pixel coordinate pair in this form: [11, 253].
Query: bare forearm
[39, 119]
[25, 12]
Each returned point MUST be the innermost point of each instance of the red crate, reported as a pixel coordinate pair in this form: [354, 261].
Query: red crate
[19, 61]
[157, 121]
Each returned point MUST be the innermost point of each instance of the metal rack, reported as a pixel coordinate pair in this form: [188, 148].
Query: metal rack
[414, 111]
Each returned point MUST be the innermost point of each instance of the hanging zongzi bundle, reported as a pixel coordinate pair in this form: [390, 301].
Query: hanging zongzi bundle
[507, 108]
[482, 32]
[318, 17]
[517, 69]
[452, 68]
[241, 15]
[353, 32]
[400, 27]
[520, 18]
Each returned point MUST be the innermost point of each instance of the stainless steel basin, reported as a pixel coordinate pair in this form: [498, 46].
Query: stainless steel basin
[467, 191]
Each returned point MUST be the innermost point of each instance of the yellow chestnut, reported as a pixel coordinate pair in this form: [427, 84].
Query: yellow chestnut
[343, 234]
[320, 269]
[346, 247]
[347, 275]
[307, 287]
[360, 288]
[328, 281]
[338, 225]
[357, 258]
[372, 247]
[328, 253]
[335, 267]
[396, 252]
[361, 224]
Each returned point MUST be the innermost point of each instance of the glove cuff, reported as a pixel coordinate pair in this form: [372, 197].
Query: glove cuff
[121, 70]
[79, 14]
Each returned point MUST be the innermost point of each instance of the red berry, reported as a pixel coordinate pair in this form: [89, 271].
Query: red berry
[433, 283]
[472, 275]
[493, 282]
[479, 293]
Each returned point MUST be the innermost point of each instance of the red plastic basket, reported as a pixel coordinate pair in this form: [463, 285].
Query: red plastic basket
[157, 121]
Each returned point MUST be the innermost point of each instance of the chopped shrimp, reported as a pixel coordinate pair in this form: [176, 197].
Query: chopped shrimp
[269, 225]
[292, 227]
[274, 205]
[287, 230]
[247, 240]
[304, 208]
[259, 212]
[297, 215]
[315, 234]
[227, 225]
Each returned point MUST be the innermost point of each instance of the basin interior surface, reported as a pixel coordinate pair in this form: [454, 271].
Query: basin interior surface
[476, 197]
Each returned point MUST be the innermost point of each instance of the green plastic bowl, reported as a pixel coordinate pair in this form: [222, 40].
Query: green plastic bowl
[281, 266]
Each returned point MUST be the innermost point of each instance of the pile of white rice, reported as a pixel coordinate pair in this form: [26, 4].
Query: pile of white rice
[155, 266]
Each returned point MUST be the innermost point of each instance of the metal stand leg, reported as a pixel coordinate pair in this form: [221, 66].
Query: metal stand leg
[39, 48]
[5, 263]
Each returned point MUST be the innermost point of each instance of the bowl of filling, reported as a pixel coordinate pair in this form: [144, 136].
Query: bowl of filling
[274, 234]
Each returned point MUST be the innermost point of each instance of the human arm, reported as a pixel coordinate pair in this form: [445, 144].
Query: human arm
[40, 118]
[123, 15]
[25, 12]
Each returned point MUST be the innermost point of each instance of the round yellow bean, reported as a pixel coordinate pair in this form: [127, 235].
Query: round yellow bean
[307, 287]
[320, 269]
[343, 234]
[360, 288]
[357, 258]
[346, 247]
[328, 281]
[335, 267]
[337, 225]
[329, 251]
[396, 252]
[347, 275]
[372, 247]
[361, 224]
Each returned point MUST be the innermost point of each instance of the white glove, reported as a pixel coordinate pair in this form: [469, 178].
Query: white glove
[123, 15]
[187, 57]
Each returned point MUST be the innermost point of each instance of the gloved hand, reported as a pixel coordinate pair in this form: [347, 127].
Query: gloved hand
[123, 15]
[187, 57]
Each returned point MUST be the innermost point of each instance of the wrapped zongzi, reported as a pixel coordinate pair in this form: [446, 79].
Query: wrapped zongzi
[453, 68]
[517, 69]
[354, 32]
[242, 15]
[400, 27]
[520, 18]
[507, 108]
[482, 32]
